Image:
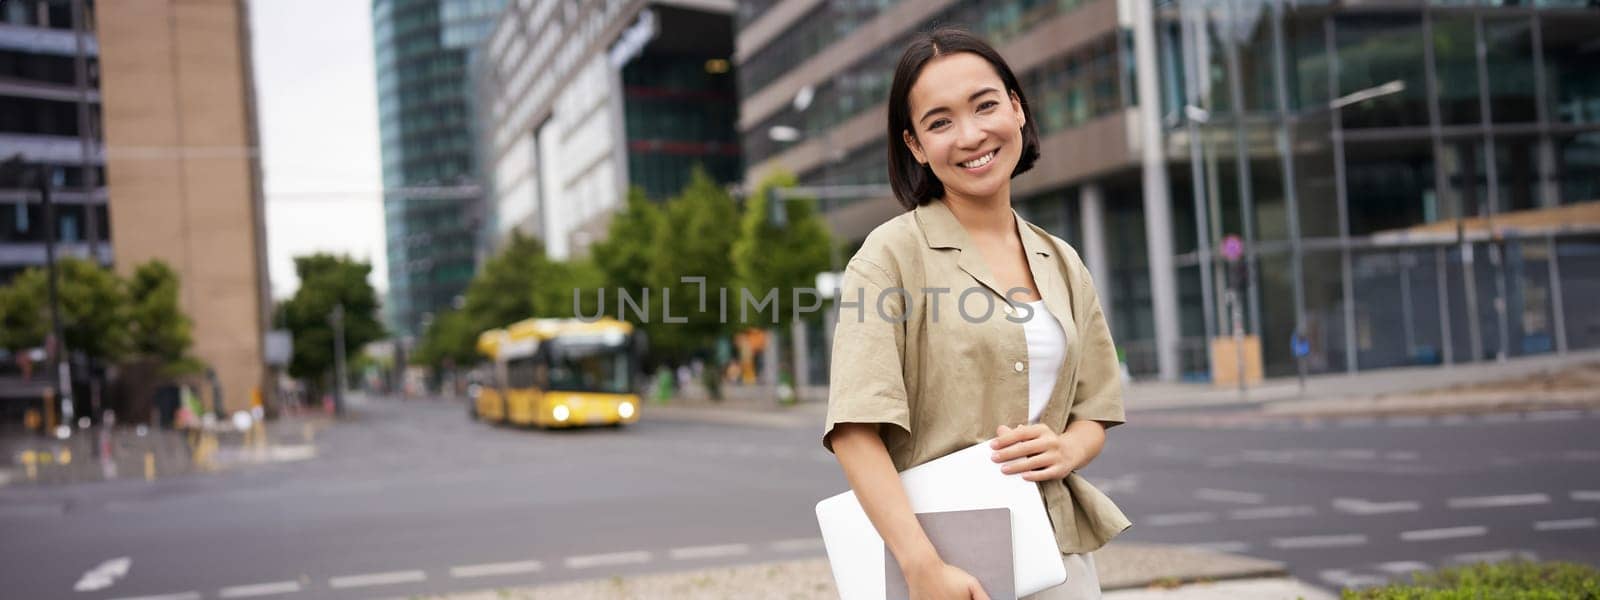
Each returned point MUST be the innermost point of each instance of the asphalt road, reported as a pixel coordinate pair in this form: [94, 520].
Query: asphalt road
[412, 498]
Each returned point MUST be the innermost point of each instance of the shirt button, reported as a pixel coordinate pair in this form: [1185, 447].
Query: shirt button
[1017, 366]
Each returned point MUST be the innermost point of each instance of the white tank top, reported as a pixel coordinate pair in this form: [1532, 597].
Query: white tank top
[1047, 348]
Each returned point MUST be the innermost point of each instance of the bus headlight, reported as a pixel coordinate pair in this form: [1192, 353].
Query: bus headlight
[561, 413]
[625, 410]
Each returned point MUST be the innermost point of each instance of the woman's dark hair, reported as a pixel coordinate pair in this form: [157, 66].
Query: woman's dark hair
[914, 183]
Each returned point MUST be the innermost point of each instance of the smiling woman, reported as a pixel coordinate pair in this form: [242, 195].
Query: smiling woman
[1037, 380]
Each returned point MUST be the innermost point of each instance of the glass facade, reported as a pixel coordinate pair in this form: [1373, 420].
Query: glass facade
[679, 114]
[422, 49]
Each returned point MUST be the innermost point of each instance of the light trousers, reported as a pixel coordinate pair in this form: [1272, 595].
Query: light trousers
[1082, 581]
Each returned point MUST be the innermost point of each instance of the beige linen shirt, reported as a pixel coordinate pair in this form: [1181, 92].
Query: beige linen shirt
[926, 346]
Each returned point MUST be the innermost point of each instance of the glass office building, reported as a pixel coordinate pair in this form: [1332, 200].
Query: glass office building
[581, 101]
[432, 207]
[1414, 183]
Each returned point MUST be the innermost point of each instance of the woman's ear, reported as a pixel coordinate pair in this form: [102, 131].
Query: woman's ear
[1016, 106]
[914, 146]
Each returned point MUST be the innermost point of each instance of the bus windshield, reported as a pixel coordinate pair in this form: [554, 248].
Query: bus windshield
[588, 366]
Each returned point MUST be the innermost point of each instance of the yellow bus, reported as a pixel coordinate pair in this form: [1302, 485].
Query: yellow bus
[559, 373]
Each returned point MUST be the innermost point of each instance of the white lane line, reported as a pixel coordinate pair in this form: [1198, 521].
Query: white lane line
[1499, 501]
[1447, 533]
[491, 569]
[1555, 415]
[1408, 421]
[176, 596]
[101, 577]
[1357, 506]
[1401, 567]
[260, 589]
[1586, 496]
[1401, 456]
[1231, 546]
[1565, 524]
[1214, 495]
[1493, 556]
[1320, 541]
[1180, 519]
[371, 579]
[1271, 512]
[796, 545]
[696, 552]
[607, 560]
[1356, 453]
[1345, 579]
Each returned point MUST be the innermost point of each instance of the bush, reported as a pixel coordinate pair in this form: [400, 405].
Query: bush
[1516, 580]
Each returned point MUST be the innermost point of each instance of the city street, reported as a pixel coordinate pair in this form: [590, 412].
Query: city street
[410, 498]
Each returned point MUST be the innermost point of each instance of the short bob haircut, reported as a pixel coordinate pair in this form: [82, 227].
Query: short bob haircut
[914, 183]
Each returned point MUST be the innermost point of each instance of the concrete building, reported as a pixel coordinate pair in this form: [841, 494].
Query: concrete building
[582, 100]
[50, 117]
[422, 50]
[180, 130]
[1445, 219]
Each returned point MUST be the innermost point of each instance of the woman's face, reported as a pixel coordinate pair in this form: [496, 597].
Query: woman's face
[965, 126]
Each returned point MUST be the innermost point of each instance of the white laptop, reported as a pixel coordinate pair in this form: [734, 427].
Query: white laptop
[964, 480]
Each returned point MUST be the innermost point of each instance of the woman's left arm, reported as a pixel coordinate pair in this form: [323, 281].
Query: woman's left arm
[1040, 454]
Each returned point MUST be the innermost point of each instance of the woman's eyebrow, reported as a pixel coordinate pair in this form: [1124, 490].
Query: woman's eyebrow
[939, 109]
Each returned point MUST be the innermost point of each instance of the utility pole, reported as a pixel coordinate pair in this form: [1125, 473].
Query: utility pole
[63, 365]
[337, 321]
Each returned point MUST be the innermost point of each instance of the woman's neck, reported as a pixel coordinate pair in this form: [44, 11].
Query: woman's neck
[989, 218]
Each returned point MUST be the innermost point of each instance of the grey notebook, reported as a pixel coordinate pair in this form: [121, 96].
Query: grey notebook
[976, 541]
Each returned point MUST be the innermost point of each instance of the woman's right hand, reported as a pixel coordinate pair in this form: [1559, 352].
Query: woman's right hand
[941, 581]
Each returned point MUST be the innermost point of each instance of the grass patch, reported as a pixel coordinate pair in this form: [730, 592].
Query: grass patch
[1515, 580]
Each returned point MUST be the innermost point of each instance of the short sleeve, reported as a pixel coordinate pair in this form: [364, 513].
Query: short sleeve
[867, 380]
[1099, 393]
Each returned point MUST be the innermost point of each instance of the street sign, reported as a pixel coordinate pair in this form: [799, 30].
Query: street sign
[1232, 248]
[279, 348]
[1300, 345]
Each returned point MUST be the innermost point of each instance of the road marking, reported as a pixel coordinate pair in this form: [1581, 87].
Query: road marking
[371, 579]
[490, 569]
[1586, 496]
[1320, 541]
[1402, 456]
[1221, 546]
[1499, 501]
[1447, 533]
[1555, 415]
[607, 560]
[1408, 421]
[696, 552]
[1345, 579]
[1214, 495]
[1357, 506]
[1180, 519]
[1401, 567]
[1356, 453]
[1565, 524]
[102, 576]
[33, 510]
[176, 596]
[797, 545]
[260, 589]
[1271, 512]
[1493, 556]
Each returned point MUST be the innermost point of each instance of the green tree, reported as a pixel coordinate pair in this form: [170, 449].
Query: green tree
[93, 309]
[625, 255]
[327, 281]
[450, 340]
[693, 239]
[157, 327]
[782, 257]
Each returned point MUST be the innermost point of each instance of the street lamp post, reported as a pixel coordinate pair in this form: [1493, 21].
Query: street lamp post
[15, 172]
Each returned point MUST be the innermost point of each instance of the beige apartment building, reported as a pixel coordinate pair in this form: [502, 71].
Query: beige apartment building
[183, 172]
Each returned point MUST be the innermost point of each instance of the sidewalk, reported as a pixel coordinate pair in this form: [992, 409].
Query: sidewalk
[1368, 391]
[1127, 571]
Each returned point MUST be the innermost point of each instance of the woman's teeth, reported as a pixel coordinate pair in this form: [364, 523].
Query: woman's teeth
[979, 161]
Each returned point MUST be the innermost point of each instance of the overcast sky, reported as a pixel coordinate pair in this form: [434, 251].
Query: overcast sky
[319, 134]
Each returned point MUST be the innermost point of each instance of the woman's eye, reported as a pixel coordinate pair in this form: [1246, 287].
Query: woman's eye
[987, 105]
[938, 124]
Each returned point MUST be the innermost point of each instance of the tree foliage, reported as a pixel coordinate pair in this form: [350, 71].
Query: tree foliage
[92, 303]
[157, 327]
[693, 239]
[327, 281]
[780, 256]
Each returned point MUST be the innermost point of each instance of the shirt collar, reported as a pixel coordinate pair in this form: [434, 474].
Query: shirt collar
[942, 230]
